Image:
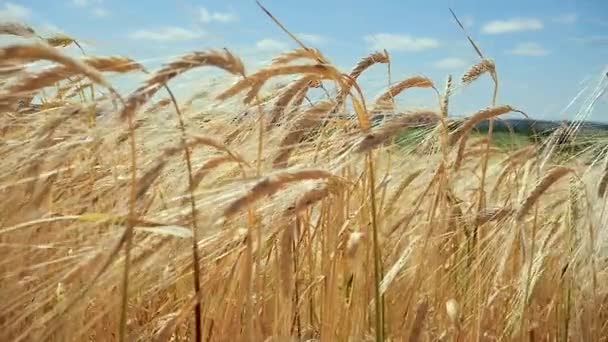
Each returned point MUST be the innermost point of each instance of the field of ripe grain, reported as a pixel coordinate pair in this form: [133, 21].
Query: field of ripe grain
[137, 217]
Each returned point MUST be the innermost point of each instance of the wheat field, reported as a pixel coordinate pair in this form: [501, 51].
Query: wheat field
[281, 216]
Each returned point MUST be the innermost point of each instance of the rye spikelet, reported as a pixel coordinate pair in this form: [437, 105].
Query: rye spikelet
[259, 78]
[445, 99]
[476, 118]
[60, 40]
[208, 166]
[16, 29]
[309, 198]
[286, 96]
[368, 61]
[364, 64]
[38, 51]
[485, 65]
[385, 99]
[271, 185]
[308, 120]
[550, 178]
[395, 125]
[55, 74]
[219, 59]
[299, 53]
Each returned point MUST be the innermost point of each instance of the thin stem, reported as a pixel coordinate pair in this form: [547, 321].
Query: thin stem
[377, 276]
[195, 257]
[129, 233]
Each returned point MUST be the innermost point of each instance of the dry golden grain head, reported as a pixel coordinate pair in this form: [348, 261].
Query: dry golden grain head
[476, 118]
[38, 51]
[16, 29]
[286, 96]
[410, 82]
[262, 76]
[367, 61]
[550, 178]
[420, 118]
[309, 198]
[119, 64]
[445, 98]
[207, 167]
[220, 59]
[300, 53]
[46, 78]
[308, 120]
[271, 185]
[60, 40]
[485, 65]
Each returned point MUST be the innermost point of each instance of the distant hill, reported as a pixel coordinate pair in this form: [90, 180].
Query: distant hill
[530, 126]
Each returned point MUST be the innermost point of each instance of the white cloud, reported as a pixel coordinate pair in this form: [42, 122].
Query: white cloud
[270, 45]
[312, 38]
[450, 63]
[170, 33]
[566, 18]
[207, 16]
[14, 11]
[512, 25]
[100, 12]
[529, 49]
[400, 42]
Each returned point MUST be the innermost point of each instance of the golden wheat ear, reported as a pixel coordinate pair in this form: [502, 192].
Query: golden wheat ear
[286, 96]
[271, 185]
[300, 53]
[484, 66]
[224, 60]
[16, 29]
[550, 178]
[308, 120]
[392, 127]
[386, 99]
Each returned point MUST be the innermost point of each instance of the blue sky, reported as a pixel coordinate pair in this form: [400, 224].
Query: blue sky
[546, 50]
